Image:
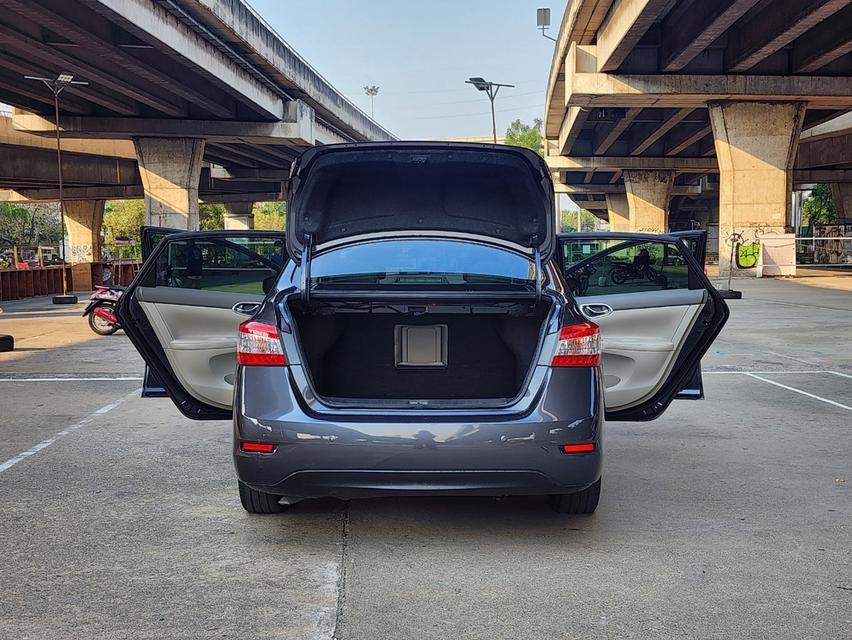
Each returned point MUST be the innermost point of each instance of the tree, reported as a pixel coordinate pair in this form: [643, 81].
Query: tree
[819, 207]
[123, 218]
[522, 135]
[568, 220]
[30, 224]
[270, 215]
[211, 216]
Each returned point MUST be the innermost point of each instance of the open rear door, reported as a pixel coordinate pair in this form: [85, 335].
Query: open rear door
[696, 242]
[657, 312]
[151, 237]
[179, 311]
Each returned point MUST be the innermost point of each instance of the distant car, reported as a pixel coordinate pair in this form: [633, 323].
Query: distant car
[421, 337]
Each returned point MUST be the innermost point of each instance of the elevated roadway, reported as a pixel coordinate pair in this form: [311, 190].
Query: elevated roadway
[662, 113]
[186, 100]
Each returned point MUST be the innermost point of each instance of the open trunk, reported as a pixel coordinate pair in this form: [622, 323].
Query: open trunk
[398, 353]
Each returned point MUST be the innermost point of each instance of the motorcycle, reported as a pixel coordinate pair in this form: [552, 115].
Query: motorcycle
[101, 310]
[621, 273]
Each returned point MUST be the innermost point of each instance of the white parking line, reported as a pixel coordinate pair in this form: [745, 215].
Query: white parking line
[837, 373]
[11, 462]
[94, 379]
[794, 389]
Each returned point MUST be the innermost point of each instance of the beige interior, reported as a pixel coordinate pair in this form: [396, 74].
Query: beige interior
[640, 342]
[200, 343]
[639, 345]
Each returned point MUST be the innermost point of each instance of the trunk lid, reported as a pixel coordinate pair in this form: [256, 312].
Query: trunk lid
[500, 193]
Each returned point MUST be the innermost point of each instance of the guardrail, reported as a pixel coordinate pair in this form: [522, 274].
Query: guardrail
[42, 281]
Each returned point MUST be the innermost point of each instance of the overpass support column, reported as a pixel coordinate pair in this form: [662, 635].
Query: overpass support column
[756, 146]
[648, 195]
[84, 219]
[239, 215]
[170, 169]
[841, 194]
[619, 213]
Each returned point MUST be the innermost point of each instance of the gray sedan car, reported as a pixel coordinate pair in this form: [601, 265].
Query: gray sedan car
[421, 328]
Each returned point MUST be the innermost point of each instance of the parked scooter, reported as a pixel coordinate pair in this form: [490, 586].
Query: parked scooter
[101, 310]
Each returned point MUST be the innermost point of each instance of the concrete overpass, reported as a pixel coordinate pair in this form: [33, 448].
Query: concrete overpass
[187, 100]
[661, 112]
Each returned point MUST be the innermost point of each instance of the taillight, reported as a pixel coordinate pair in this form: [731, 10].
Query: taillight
[259, 344]
[579, 346]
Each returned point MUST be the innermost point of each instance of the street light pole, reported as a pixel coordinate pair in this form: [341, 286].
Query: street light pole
[490, 89]
[56, 85]
[372, 91]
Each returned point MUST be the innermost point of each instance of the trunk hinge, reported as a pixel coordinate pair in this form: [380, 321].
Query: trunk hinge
[307, 250]
[537, 258]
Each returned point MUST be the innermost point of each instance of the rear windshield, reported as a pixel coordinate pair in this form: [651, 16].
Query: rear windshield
[421, 263]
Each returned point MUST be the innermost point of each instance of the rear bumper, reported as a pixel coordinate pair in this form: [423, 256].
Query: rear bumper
[418, 452]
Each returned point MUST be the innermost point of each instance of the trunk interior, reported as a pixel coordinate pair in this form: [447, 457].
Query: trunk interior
[408, 352]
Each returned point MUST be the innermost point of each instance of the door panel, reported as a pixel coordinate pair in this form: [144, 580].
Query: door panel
[199, 337]
[656, 311]
[639, 347]
[178, 311]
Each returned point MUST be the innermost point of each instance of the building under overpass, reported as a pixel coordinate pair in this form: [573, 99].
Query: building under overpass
[664, 113]
[186, 100]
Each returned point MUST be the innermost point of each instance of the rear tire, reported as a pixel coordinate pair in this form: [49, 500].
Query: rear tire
[255, 501]
[582, 502]
[100, 326]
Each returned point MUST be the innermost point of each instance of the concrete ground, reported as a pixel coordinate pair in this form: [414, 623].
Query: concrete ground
[730, 517]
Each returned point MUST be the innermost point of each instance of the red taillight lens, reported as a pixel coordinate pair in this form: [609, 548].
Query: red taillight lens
[259, 345]
[586, 447]
[579, 346]
[257, 447]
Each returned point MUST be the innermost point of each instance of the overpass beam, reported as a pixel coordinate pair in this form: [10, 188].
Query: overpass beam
[170, 169]
[84, 220]
[239, 215]
[648, 195]
[619, 212]
[756, 146]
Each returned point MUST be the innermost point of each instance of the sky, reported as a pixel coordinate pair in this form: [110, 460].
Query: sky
[420, 52]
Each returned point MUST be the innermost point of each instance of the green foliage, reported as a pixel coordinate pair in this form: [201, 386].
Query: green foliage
[568, 220]
[211, 216]
[30, 224]
[270, 215]
[123, 218]
[523, 135]
[819, 207]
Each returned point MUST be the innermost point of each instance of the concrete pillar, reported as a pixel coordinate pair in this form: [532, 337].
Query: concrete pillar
[84, 220]
[170, 169]
[841, 194]
[619, 213]
[756, 146]
[648, 195]
[239, 215]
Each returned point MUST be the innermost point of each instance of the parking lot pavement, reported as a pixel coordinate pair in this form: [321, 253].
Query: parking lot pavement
[724, 518]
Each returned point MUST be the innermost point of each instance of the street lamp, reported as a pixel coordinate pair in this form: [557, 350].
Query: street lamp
[490, 89]
[56, 86]
[372, 91]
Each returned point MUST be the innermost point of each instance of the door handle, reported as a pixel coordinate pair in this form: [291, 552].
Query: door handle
[246, 308]
[595, 310]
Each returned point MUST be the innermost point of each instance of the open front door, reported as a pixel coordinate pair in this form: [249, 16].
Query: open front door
[657, 312]
[178, 312]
